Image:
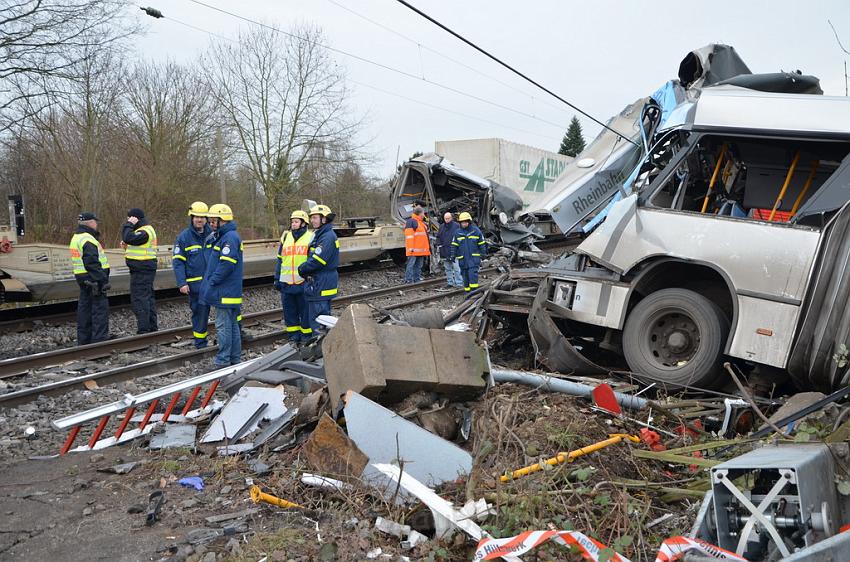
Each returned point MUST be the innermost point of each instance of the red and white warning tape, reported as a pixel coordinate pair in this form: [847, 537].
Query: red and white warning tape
[671, 549]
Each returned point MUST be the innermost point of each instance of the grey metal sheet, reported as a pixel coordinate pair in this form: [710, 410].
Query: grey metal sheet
[775, 261]
[241, 408]
[175, 436]
[825, 323]
[386, 437]
[730, 107]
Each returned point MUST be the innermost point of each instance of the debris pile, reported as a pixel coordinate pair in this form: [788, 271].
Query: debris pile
[390, 441]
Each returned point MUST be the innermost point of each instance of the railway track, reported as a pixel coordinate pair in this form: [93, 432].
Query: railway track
[163, 365]
[26, 318]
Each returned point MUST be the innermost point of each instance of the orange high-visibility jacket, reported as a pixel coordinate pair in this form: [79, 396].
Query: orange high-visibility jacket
[416, 237]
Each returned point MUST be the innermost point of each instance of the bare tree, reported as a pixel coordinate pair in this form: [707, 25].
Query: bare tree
[170, 117]
[41, 40]
[284, 97]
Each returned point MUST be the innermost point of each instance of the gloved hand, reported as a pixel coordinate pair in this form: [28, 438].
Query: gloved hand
[105, 287]
[278, 285]
[93, 286]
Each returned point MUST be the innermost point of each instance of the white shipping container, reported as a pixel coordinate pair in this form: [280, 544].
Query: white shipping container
[527, 170]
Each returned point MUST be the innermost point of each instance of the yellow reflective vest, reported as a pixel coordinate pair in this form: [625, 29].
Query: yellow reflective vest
[79, 240]
[292, 254]
[146, 251]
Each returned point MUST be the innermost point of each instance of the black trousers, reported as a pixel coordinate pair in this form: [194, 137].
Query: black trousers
[92, 317]
[142, 300]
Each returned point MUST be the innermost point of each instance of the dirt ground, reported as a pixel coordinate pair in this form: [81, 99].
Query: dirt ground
[64, 508]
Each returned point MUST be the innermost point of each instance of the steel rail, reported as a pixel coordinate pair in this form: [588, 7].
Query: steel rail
[23, 319]
[163, 365]
[22, 365]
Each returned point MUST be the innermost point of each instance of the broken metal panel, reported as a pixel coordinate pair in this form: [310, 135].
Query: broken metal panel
[597, 174]
[600, 302]
[239, 415]
[832, 195]
[386, 437]
[784, 253]
[825, 326]
[711, 64]
[751, 340]
[551, 347]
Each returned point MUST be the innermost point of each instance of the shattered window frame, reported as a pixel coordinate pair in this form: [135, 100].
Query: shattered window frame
[689, 151]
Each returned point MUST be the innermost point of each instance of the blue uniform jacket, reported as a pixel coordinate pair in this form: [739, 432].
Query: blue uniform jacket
[468, 246]
[286, 287]
[222, 285]
[445, 236]
[190, 259]
[322, 262]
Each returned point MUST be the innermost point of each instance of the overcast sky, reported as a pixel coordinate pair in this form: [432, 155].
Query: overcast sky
[599, 55]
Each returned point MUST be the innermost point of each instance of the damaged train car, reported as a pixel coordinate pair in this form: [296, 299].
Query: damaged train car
[728, 240]
[440, 187]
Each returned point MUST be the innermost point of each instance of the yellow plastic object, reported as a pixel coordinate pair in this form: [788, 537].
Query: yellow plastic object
[785, 185]
[464, 216]
[713, 178]
[806, 187]
[571, 456]
[258, 496]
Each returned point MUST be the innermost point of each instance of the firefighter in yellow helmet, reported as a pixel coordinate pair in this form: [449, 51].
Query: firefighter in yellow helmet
[291, 253]
[468, 247]
[222, 284]
[189, 264]
[140, 242]
[320, 269]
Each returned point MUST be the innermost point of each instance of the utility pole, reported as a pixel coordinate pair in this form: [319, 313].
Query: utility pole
[219, 144]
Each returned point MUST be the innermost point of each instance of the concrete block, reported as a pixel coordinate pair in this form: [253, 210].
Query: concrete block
[387, 363]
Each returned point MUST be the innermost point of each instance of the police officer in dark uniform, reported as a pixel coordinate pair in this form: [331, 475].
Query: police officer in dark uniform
[91, 270]
[140, 254]
[320, 269]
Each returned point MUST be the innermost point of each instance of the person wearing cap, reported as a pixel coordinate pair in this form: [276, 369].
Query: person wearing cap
[291, 253]
[91, 270]
[416, 245]
[221, 287]
[468, 246]
[444, 239]
[189, 263]
[320, 269]
[140, 242]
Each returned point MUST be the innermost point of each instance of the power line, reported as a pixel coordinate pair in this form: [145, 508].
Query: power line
[441, 54]
[452, 111]
[395, 94]
[559, 126]
[512, 69]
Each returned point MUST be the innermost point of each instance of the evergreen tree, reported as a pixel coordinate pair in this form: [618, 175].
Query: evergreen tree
[573, 142]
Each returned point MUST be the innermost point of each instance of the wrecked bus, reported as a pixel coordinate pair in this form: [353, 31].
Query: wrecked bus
[733, 242]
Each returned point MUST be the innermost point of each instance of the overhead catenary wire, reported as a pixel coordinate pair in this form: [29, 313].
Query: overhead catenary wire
[447, 110]
[443, 55]
[559, 126]
[387, 92]
[511, 68]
